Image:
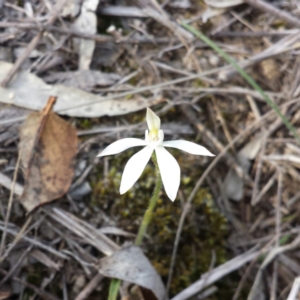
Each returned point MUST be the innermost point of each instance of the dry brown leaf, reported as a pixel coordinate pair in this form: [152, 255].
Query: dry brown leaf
[48, 145]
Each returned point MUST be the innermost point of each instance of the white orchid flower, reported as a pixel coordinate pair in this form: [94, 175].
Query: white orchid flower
[154, 141]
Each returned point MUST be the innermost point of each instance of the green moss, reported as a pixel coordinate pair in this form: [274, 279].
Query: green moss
[204, 232]
[85, 124]
[197, 83]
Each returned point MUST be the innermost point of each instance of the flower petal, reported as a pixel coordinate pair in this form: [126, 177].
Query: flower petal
[134, 168]
[153, 120]
[169, 171]
[188, 147]
[121, 145]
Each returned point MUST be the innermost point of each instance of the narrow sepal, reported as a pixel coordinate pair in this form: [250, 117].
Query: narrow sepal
[169, 171]
[189, 147]
[121, 145]
[134, 168]
[153, 120]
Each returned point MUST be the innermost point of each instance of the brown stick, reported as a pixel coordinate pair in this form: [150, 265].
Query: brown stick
[245, 34]
[267, 7]
[89, 287]
[9, 205]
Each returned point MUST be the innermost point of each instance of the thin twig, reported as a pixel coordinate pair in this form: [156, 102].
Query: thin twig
[209, 137]
[43, 294]
[268, 7]
[251, 266]
[217, 273]
[257, 115]
[16, 265]
[270, 257]
[89, 288]
[36, 243]
[186, 209]
[295, 290]
[247, 34]
[31, 46]
[18, 237]
[277, 231]
[223, 123]
[285, 44]
[10, 201]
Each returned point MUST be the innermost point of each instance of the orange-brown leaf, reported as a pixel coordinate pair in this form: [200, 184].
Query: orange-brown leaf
[48, 147]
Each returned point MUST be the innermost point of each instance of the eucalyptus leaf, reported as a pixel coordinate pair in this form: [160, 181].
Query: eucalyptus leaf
[130, 264]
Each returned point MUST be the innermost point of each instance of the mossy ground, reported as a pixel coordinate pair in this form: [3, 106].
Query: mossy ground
[204, 232]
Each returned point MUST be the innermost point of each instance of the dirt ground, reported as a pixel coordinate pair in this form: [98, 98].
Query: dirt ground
[77, 75]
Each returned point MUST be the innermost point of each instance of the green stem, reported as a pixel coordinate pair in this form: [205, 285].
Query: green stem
[114, 289]
[148, 213]
[115, 283]
[248, 78]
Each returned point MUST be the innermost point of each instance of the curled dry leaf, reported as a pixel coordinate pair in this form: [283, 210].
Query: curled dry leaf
[48, 145]
[223, 3]
[233, 185]
[211, 12]
[86, 23]
[130, 264]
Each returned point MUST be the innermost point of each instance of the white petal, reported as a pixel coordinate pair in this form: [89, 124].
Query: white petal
[121, 145]
[153, 120]
[134, 168]
[188, 147]
[169, 171]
